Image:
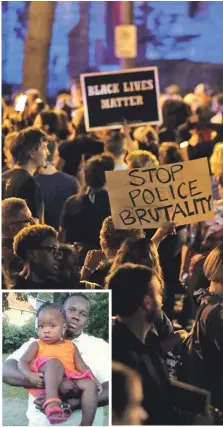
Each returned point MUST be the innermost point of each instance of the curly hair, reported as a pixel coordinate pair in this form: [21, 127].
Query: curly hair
[27, 140]
[141, 251]
[142, 159]
[30, 238]
[112, 238]
[51, 306]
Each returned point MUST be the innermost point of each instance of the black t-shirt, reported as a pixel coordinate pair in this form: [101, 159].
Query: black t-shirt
[82, 220]
[149, 362]
[19, 183]
[28, 284]
[56, 189]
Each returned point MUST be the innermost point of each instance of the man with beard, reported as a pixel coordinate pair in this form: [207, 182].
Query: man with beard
[93, 350]
[137, 299]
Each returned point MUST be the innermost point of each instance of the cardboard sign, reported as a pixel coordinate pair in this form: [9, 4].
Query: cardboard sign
[146, 198]
[126, 41]
[110, 98]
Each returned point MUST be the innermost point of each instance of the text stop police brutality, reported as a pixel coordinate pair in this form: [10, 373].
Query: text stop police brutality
[146, 198]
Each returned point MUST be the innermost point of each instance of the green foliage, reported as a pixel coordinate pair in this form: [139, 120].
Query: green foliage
[99, 314]
[15, 336]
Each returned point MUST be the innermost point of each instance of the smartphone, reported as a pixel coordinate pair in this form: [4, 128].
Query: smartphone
[21, 103]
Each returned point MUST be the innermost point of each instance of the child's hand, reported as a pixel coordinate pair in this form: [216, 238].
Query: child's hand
[37, 379]
[100, 388]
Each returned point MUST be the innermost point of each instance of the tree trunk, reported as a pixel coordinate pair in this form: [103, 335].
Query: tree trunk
[37, 45]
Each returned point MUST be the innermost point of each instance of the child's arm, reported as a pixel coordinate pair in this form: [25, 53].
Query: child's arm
[81, 366]
[36, 378]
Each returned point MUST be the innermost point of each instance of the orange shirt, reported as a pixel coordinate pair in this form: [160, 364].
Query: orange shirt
[63, 351]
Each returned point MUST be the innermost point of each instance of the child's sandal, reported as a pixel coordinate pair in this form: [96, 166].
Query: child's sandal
[57, 414]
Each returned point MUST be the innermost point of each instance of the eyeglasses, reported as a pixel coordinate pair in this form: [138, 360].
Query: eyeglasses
[30, 221]
[54, 250]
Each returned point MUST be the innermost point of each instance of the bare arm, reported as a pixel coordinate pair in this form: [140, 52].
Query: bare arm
[27, 358]
[166, 229]
[82, 367]
[24, 365]
[11, 375]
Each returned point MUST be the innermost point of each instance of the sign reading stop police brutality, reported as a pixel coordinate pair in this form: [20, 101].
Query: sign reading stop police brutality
[111, 98]
[146, 198]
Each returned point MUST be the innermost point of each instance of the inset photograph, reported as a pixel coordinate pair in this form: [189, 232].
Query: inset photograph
[56, 359]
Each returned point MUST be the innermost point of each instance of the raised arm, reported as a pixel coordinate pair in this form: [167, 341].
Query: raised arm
[25, 362]
[166, 229]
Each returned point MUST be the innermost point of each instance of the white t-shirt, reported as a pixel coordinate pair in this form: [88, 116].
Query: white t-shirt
[95, 353]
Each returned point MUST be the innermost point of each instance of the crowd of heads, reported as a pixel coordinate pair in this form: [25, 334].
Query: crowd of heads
[52, 142]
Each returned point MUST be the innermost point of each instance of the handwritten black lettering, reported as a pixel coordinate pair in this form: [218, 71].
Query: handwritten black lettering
[133, 195]
[126, 217]
[133, 173]
[175, 169]
[141, 213]
[193, 188]
[159, 173]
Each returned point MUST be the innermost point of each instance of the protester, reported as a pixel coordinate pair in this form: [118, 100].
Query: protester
[216, 163]
[136, 316]
[56, 186]
[90, 203]
[127, 396]
[202, 364]
[48, 121]
[217, 107]
[72, 152]
[94, 351]
[29, 152]
[15, 216]
[141, 159]
[98, 262]
[115, 144]
[38, 248]
[9, 163]
[169, 152]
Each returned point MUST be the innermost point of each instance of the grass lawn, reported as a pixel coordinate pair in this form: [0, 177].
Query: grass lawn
[16, 392]
[21, 393]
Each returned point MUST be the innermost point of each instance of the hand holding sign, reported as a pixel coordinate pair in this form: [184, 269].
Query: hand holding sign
[168, 228]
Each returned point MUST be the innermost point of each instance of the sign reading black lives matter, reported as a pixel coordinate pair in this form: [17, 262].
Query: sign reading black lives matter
[111, 98]
[146, 198]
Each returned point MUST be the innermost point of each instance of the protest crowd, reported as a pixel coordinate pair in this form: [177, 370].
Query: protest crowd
[58, 232]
